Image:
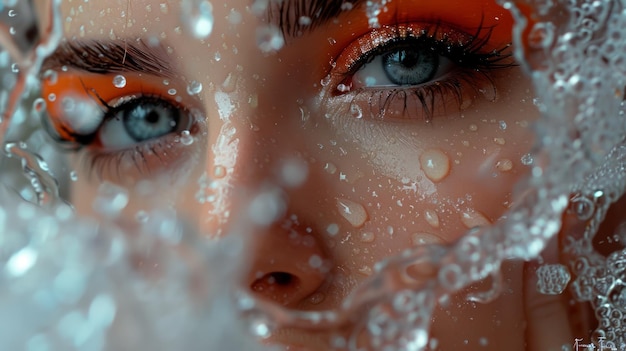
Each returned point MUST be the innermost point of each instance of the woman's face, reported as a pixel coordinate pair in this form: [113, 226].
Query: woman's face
[358, 132]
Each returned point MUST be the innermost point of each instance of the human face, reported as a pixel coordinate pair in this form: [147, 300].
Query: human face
[339, 144]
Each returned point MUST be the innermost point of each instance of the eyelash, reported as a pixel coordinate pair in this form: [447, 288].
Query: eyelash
[473, 66]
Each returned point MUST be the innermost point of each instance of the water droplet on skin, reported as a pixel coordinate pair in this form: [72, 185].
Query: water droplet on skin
[119, 81]
[472, 219]
[194, 88]
[367, 237]
[432, 218]
[219, 172]
[315, 262]
[234, 17]
[330, 168]
[473, 127]
[294, 172]
[269, 38]
[73, 176]
[317, 298]
[186, 138]
[52, 97]
[356, 111]
[504, 165]
[527, 160]
[418, 239]
[435, 164]
[111, 199]
[365, 270]
[353, 212]
[499, 141]
[332, 229]
[502, 125]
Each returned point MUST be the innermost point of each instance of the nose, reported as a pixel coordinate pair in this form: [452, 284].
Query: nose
[288, 265]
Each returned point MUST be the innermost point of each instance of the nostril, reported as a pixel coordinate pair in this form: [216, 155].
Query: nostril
[281, 287]
[282, 278]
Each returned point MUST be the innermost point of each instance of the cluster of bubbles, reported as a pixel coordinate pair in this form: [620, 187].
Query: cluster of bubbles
[76, 284]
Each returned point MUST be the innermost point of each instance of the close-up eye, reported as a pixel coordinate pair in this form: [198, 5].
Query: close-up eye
[414, 70]
[409, 63]
[140, 119]
[114, 127]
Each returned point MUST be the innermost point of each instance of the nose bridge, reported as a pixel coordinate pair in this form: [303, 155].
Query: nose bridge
[260, 151]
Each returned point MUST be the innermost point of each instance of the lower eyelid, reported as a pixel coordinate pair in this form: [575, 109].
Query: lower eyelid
[170, 153]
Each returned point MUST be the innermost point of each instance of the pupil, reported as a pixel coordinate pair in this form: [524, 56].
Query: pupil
[410, 66]
[408, 58]
[152, 117]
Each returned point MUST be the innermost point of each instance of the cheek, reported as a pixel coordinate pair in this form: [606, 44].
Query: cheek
[406, 185]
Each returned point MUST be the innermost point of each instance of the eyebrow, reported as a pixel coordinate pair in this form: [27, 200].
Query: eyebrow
[286, 14]
[106, 57]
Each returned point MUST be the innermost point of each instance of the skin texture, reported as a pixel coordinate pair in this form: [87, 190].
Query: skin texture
[404, 181]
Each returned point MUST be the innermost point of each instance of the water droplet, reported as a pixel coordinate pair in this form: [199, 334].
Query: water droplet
[504, 165]
[425, 239]
[73, 176]
[527, 160]
[347, 6]
[219, 172]
[356, 111]
[432, 218]
[52, 97]
[21, 261]
[111, 199]
[502, 125]
[552, 279]
[353, 212]
[332, 229]
[330, 168]
[294, 172]
[218, 56]
[11, 13]
[304, 21]
[472, 219]
[267, 207]
[194, 88]
[234, 17]
[499, 141]
[269, 38]
[102, 311]
[473, 127]
[119, 81]
[367, 237]
[172, 91]
[435, 164]
[315, 262]
[198, 15]
[317, 298]
[186, 138]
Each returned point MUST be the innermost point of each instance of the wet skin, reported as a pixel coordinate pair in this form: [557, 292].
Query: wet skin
[357, 173]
